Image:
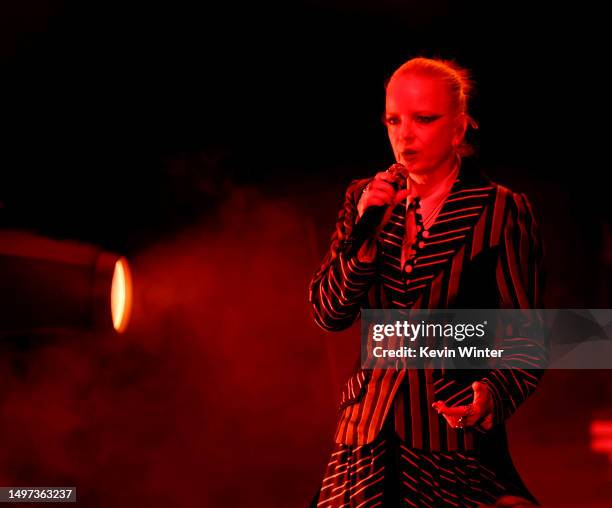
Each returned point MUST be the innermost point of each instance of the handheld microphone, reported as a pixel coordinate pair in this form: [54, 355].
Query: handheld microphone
[373, 215]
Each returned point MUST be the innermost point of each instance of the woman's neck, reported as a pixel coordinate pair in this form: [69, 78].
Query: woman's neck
[426, 183]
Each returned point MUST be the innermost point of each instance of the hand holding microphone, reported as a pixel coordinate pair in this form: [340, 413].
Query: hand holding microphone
[386, 189]
[374, 209]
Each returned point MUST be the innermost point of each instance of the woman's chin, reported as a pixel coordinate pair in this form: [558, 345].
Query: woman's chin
[416, 169]
[409, 164]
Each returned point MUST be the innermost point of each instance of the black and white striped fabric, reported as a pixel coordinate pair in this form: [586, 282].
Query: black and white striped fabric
[482, 251]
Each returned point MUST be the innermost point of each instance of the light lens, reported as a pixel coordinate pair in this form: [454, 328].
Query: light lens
[121, 295]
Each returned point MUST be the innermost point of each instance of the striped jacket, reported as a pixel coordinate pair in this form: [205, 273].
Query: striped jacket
[482, 251]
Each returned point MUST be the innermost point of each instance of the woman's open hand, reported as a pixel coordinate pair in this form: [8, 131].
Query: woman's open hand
[478, 414]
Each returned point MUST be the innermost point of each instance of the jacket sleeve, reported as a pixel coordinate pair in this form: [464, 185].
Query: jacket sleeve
[340, 285]
[519, 283]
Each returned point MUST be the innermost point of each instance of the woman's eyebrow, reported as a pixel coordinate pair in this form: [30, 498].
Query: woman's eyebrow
[416, 112]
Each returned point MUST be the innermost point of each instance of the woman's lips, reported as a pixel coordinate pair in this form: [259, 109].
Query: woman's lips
[408, 154]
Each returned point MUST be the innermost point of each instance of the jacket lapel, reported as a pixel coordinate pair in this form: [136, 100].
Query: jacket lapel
[440, 249]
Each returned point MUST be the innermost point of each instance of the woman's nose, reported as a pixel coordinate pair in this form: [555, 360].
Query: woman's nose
[406, 130]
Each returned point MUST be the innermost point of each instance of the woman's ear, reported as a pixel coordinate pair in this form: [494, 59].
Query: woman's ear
[461, 122]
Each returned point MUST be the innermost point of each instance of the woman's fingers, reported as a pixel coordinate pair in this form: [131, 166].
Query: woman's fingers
[385, 194]
[461, 416]
[379, 192]
[400, 196]
[383, 187]
[482, 395]
[441, 407]
[486, 423]
[483, 401]
[478, 414]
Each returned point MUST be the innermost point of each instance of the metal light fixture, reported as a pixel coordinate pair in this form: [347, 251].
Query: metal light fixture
[47, 284]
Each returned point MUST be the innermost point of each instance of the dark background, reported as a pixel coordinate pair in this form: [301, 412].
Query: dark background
[212, 145]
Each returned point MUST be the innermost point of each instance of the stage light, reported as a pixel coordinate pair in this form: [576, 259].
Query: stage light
[121, 295]
[601, 436]
[48, 284]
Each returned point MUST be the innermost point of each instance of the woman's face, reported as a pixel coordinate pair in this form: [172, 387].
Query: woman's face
[422, 125]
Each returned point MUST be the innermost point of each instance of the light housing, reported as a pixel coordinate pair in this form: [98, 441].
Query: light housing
[47, 283]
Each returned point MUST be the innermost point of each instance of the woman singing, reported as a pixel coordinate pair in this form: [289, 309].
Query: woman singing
[450, 238]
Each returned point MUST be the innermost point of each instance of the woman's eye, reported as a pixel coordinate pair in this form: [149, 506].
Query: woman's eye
[426, 118]
[392, 120]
